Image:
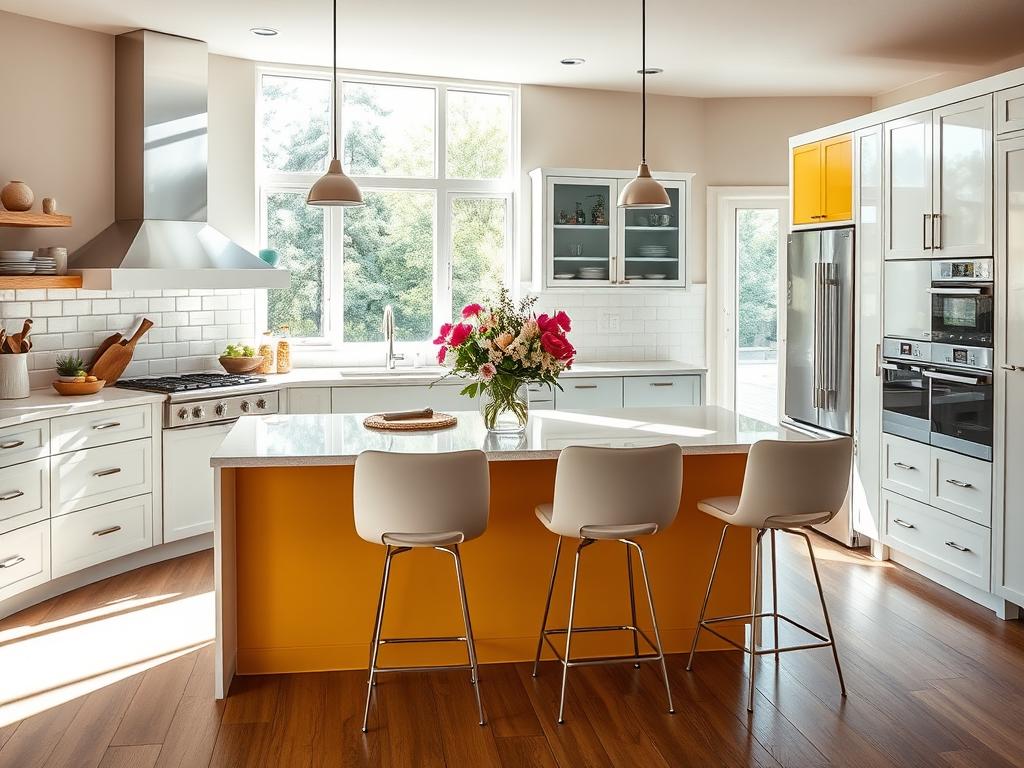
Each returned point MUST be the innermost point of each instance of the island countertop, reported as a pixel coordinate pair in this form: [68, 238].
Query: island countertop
[336, 439]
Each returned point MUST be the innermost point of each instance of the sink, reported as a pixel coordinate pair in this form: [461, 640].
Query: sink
[376, 372]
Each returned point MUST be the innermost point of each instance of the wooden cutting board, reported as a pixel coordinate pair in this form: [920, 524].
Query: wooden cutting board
[103, 348]
[115, 358]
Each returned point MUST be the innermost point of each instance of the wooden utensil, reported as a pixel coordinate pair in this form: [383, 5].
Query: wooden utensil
[16, 342]
[103, 348]
[115, 358]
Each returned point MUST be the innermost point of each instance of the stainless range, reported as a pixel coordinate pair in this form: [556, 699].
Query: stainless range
[199, 411]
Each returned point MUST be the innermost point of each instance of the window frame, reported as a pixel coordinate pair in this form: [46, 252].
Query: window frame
[444, 189]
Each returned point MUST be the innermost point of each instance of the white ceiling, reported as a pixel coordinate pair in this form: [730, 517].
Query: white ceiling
[706, 47]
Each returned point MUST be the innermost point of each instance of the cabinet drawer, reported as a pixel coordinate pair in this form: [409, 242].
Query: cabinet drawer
[944, 541]
[643, 391]
[24, 558]
[1010, 110]
[95, 535]
[24, 494]
[962, 485]
[540, 395]
[88, 430]
[905, 467]
[24, 442]
[98, 475]
[587, 393]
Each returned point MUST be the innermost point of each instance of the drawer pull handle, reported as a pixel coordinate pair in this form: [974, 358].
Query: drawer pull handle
[901, 465]
[12, 444]
[902, 523]
[107, 425]
[585, 386]
[12, 495]
[105, 531]
[958, 483]
[12, 561]
[106, 472]
[661, 383]
[957, 547]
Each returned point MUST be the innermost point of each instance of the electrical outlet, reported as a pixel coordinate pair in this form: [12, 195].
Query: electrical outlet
[609, 323]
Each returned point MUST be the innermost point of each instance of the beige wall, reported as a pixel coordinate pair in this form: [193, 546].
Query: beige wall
[945, 81]
[57, 118]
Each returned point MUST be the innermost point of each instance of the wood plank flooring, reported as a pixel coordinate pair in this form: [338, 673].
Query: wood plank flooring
[933, 680]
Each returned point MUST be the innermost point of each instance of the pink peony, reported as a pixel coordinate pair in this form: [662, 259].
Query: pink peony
[460, 333]
[557, 345]
[487, 371]
[559, 322]
[471, 310]
[442, 335]
[441, 354]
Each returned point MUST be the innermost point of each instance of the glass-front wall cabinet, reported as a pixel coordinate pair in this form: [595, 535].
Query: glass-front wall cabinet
[582, 239]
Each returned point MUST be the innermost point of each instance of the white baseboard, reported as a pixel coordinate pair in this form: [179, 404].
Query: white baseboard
[994, 603]
[102, 571]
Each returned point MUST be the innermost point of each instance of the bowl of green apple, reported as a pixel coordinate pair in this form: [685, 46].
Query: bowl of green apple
[240, 358]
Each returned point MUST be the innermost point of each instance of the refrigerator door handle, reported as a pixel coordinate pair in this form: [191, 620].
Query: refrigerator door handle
[819, 311]
[835, 286]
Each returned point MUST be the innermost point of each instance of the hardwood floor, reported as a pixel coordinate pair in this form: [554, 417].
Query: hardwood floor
[933, 681]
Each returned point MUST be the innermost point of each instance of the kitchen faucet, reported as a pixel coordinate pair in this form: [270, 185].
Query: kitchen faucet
[389, 337]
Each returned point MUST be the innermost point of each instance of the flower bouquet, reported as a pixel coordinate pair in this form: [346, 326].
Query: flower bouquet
[503, 348]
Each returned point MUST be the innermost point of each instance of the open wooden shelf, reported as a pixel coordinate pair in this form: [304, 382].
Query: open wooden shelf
[33, 219]
[9, 282]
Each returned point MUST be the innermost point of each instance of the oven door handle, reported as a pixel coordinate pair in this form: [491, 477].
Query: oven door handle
[954, 291]
[953, 377]
[889, 366]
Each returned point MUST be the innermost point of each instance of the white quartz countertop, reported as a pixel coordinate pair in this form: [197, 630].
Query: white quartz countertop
[46, 403]
[336, 439]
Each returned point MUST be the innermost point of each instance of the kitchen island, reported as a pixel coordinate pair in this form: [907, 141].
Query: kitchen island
[297, 588]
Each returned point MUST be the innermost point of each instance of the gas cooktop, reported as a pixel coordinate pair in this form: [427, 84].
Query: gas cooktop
[188, 382]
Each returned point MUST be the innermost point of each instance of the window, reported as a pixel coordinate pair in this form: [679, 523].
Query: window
[437, 168]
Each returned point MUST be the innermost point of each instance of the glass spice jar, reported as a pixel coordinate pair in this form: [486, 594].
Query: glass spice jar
[266, 352]
[284, 351]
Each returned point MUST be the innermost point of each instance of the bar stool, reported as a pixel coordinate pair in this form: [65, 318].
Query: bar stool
[399, 502]
[610, 494]
[787, 486]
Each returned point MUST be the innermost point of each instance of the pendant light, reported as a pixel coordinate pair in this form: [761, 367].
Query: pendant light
[334, 187]
[643, 191]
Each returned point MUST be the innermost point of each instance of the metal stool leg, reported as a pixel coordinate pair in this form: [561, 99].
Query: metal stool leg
[632, 603]
[470, 644]
[824, 609]
[707, 596]
[568, 634]
[375, 642]
[775, 595]
[654, 621]
[755, 622]
[547, 606]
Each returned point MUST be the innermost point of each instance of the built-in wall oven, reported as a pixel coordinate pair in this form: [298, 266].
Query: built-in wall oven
[962, 303]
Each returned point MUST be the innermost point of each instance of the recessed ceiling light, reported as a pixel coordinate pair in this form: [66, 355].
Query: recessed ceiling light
[573, 61]
[264, 31]
[650, 71]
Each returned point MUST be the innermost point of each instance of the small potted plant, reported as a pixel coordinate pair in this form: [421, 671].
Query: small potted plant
[71, 368]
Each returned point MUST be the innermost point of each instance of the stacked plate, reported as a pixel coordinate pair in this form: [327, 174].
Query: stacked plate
[653, 251]
[17, 263]
[45, 265]
[594, 273]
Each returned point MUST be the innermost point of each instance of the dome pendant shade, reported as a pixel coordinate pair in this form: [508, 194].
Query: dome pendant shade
[644, 192]
[334, 188]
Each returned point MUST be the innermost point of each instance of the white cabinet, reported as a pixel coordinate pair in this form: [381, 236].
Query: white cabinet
[96, 476]
[939, 182]
[1008, 522]
[1010, 110]
[961, 485]
[88, 430]
[24, 494]
[581, 239]
[661, 391]
[308, 400]
[398, 397]
[188, 479]
[906, 466]
[91, 536]
[584, 394]
[24, 442]
[541, 396]
[24, 558]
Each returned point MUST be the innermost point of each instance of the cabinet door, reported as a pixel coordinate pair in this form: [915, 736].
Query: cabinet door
[188, 484]
[1010, 110]
[908, 187]
[1008, 520]
[962, 211]
[652, 242]
[309, 400]
[807, 184]
[837, 179]
[580, 253]
[581, 394]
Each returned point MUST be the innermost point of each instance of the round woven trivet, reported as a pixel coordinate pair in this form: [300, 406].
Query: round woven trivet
[437, 421]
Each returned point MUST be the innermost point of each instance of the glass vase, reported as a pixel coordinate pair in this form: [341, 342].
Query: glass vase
[505, 408]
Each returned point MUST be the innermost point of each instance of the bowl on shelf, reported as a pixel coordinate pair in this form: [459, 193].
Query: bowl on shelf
[71, 388]
[238, 365]
[655, 276]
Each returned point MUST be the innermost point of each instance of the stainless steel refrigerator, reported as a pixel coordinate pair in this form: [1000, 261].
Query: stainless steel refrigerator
[819, 329]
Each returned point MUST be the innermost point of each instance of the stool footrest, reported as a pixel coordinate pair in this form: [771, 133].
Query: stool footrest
[395, 640]
[749, 617]
[427, 668]
[595, 660]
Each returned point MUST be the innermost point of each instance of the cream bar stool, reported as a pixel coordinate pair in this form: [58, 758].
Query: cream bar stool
[610, 494]
[787, 486]
[402, 501]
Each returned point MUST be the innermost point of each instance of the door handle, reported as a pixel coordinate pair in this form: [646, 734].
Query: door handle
[901, 465]
[661, 383]
[107, 531]
[10, 562]
[952, 377]
[937, 231]
[12, 495]
[958, 483]
[12, 444]
[878, 360]
[107, 425]
[925, 230]
[1005, 368]
[584, 386]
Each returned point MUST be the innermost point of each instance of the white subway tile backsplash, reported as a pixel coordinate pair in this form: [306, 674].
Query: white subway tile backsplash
[46, 308]
[162, 304]
[105, 306]
[188, 303]
[200, 318]
[31, 294]
[189, 333]
[20, 309]
[92, 323]
[134, 305]
[215, 302]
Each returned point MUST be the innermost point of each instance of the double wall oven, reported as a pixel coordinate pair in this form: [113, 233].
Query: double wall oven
[937, 369]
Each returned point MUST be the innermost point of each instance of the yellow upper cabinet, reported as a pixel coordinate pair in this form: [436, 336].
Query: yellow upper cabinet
[823, 181]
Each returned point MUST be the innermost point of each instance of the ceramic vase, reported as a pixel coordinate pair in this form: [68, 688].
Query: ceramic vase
[49, 206]
[17, 196]
[14, 376]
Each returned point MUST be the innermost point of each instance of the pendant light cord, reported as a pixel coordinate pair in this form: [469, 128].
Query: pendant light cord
[643, 75]
[334, 81]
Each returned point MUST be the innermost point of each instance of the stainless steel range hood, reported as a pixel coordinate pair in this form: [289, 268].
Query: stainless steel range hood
[160, 238]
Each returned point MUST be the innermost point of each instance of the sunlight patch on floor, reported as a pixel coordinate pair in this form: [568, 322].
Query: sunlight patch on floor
[54, 663]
